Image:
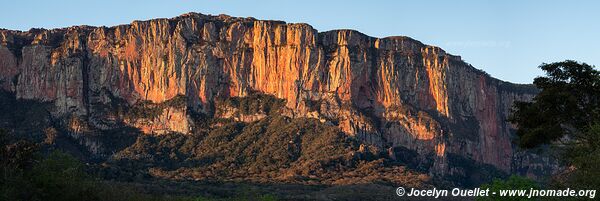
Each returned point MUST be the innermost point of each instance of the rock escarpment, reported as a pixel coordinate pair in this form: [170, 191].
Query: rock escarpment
[394, 93]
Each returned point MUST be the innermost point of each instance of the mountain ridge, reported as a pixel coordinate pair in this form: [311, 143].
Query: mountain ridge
[393, 93]
[192, 14]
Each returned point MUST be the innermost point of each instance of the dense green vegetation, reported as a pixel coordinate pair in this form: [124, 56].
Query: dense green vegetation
[243, 149]
[29, 174]
[222, 148]
[585, 156]
[255, 103]
[514, 182]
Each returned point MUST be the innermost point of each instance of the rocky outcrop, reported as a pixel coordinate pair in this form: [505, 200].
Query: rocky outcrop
[388, 92]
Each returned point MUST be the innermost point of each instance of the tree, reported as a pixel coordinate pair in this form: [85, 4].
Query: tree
[568, 103]
[585, 156]
[514, 182]
[61, 177]
[566, 112]
[15, 159]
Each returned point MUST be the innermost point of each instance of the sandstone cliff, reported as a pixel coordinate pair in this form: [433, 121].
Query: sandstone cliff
[394, 93]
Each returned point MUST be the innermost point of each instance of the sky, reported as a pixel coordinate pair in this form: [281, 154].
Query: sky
[508, 39]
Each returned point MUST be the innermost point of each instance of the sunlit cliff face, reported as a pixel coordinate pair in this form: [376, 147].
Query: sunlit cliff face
[388, 92]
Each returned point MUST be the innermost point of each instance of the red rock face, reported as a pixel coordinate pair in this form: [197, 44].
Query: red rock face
[391, 91]
[496, 148]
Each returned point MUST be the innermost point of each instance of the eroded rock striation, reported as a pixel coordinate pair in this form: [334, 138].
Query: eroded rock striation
[394, 93]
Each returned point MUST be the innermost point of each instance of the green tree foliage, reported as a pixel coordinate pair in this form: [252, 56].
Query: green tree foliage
[15, 159]
[566, 112]
[255, 103]
[26, 174]
[585, 156]
[61, 177]
[241, 149]
[569, 101]
[512, 183]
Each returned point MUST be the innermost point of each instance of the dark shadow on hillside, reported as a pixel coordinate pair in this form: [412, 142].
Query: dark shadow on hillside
[33, 120]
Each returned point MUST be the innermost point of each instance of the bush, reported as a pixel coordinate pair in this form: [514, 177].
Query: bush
[61, 177]
[512, 183]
